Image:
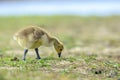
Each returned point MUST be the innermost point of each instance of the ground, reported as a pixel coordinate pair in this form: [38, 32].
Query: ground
[91, 49]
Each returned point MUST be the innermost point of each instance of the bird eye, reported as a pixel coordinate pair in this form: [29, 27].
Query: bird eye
[60, 49]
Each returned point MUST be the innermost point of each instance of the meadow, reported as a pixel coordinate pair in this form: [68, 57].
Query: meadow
[91, 49]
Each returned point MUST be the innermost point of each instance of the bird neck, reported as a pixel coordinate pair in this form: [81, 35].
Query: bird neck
[54, 40]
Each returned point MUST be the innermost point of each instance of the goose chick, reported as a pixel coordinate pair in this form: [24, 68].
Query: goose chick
[33, 37]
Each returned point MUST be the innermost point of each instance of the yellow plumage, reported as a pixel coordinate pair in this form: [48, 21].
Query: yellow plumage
[33, 37]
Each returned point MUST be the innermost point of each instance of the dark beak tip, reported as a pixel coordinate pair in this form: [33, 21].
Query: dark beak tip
[59, 55]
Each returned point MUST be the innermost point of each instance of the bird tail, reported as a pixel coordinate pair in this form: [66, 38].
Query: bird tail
[15, 37]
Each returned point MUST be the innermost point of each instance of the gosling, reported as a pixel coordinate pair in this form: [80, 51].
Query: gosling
[33, 37]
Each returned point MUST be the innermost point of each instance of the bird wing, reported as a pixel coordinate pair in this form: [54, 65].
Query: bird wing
[38, 34]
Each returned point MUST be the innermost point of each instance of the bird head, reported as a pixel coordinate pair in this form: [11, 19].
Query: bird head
[58, 47]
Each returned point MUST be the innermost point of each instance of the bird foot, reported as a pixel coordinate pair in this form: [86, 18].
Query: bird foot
[38, 58]
[23, 59]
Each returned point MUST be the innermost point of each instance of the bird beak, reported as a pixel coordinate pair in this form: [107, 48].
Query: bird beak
[59, 54]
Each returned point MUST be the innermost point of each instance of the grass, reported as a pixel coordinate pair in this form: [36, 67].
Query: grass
[92, 46]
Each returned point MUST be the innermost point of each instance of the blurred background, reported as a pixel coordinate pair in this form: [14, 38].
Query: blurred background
[89, 30]
[55, 7]
[78, 23]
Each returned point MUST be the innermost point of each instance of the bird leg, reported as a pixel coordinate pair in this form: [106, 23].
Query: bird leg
[37, 53]
[25, 52]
